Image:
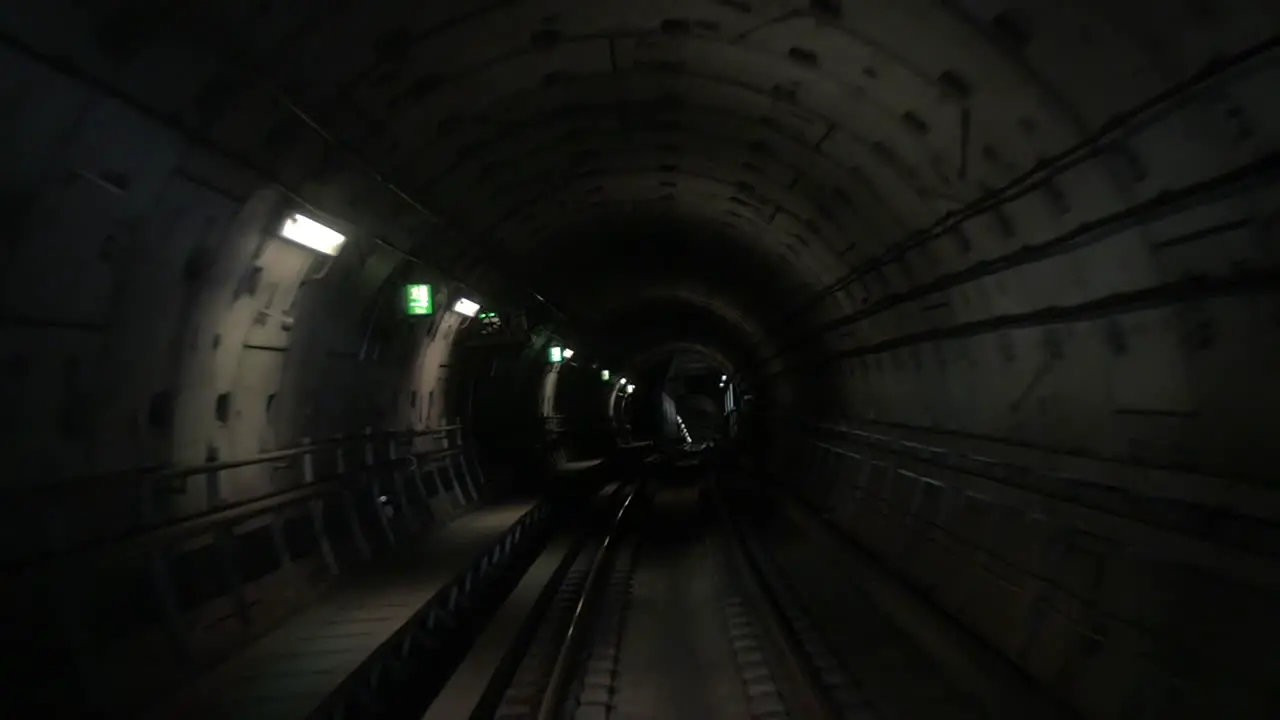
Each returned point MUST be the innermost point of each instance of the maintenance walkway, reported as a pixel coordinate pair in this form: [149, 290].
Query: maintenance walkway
[318, 659]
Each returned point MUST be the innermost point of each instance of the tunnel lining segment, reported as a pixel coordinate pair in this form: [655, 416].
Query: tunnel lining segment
[1107, 138]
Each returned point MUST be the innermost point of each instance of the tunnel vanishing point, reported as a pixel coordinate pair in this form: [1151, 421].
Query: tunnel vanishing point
[994, 282]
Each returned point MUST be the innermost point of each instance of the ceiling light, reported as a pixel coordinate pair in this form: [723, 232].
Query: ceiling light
[622, 381]
[568, 353]
[604, 375]
[309, 233]
[631, 389]
[555, 353]
[466, 307]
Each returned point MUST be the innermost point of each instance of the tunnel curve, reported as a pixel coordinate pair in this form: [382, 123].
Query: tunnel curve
[1027, 241]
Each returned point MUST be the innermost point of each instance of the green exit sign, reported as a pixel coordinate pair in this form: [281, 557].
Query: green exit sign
[418, 300]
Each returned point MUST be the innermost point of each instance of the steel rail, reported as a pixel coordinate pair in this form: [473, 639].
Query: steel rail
[557, 686]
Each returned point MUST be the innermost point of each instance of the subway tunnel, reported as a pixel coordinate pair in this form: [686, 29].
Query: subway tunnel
[994, 283]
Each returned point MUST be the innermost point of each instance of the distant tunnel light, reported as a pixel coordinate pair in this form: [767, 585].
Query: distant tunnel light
[724, 378]
[307, 232]
[418, 300]
[622, 381]
[568, 353]
[631, 389]
[604, 375]
[466, 307]
[555, 354]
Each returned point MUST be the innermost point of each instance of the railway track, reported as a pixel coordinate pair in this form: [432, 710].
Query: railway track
[661, 613]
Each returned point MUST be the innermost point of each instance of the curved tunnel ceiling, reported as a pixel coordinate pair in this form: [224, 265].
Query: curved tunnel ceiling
[656, 325]
[814, 133]
[800, 149]
[1000, 276]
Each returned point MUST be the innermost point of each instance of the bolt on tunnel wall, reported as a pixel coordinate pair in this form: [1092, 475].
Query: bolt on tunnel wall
[999, 276]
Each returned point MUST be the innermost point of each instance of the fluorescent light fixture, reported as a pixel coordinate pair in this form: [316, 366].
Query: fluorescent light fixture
[466, 307]
[568, 353]
[309, 233]
[418, 300]
[604, 375]
[555, 354]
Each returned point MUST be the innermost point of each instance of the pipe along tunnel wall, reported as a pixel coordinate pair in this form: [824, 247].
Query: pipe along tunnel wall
[999, 276]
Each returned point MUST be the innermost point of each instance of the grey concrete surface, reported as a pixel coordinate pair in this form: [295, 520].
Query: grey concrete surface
[675, 658]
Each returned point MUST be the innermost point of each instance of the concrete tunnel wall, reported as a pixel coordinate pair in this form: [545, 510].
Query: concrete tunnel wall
[1110, 334]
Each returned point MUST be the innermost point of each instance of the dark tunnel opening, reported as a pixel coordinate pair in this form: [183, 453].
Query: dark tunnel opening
[983, 293]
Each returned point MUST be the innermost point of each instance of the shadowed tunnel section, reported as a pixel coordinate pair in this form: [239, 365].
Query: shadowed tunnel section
[1000, 276]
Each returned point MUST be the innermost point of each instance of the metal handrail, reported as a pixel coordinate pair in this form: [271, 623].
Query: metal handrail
[165, 472]
[100, 550]
[154, 524]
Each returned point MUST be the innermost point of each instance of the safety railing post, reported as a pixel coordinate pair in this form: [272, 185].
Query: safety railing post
[162, 586]
[450, 450]
[281, 541]
[224, 537]
[315, 508]
[462, 460]
[212, 482]
[349, 504]
[374, 484]
[416, 469]
[437, 474]
[158, 572]
[397, 479]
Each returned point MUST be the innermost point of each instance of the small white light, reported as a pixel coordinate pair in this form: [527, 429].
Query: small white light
[724, 378]
[631, 389]
[466, 307]
[622, 381]
[307, 232]
[568, 353]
